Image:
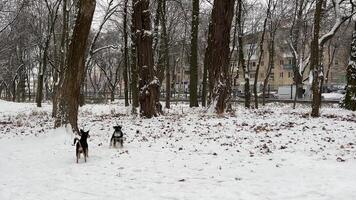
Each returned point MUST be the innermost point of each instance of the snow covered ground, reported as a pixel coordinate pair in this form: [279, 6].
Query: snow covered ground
[273, 153]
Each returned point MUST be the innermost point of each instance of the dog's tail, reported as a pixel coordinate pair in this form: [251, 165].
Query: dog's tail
[75, 141]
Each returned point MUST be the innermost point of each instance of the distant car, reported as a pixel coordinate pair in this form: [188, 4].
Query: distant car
[333, 96]
[271, 95]
[341, 91]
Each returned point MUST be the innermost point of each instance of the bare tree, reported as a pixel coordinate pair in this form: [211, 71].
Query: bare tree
[69, 91]
[193, 85]
[149, 84]
[217, 54]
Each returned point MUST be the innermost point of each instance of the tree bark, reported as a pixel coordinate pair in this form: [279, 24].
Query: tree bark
[148, 82]
[217, 54]
[193, 85]
[134, 70]
[349, 101]
[63, 55]
[314, 62]
[261, 54]
[125, 73]
[69, 91]
[165, 41]
[241, 56]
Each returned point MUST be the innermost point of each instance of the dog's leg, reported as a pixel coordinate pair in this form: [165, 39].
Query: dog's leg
[77, 157]
[85, 155]
[114, 143]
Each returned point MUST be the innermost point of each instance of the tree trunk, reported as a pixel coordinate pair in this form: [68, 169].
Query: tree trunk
[261, 54]
[62, 64]
[314, 62]
[349, 102]
[271, 53]
[242, 64]
[148, 82]
[134, 68]
[295, 35]
[217, 54]
[193, 85]
[69, 91]
[126, 78]
[165, 41]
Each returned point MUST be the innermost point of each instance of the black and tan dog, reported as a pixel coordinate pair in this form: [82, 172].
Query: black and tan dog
[82, 145]
[117, 137]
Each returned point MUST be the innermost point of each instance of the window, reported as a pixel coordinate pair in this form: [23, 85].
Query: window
[262, 75]
[281, 75]
[254, 64]
[336, 62]
[281, 62]
[289, 74]
[252, 75]
[290, 62]
[271, 76]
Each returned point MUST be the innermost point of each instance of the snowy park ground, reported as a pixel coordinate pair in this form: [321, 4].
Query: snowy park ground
[273, 153]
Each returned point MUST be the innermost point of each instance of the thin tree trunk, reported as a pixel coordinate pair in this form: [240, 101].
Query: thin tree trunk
[241, 56]
[126, 78]
[261, 54]
[62, 64]
[271, 53]
[165, 40]
[134, 68]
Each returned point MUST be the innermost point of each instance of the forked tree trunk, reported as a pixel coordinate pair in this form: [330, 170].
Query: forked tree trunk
[63, 55]
[69, 91]
[261, 54]
[246, 74]
[295, 36]
[217, 54]
[148, 83]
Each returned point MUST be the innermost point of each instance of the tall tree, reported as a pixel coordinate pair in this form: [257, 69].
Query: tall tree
[315, 62]
[349, 102]
[134, 68]
[217, 54]
[165, 51]
[241, 57]
[148, 82]
[69, 91]
[193, 85]
[296, 28]
[126, 52]
[63, 55]
[52, 18]
[261, 52]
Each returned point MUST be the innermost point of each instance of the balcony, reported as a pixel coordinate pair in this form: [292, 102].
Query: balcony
[288, 66]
